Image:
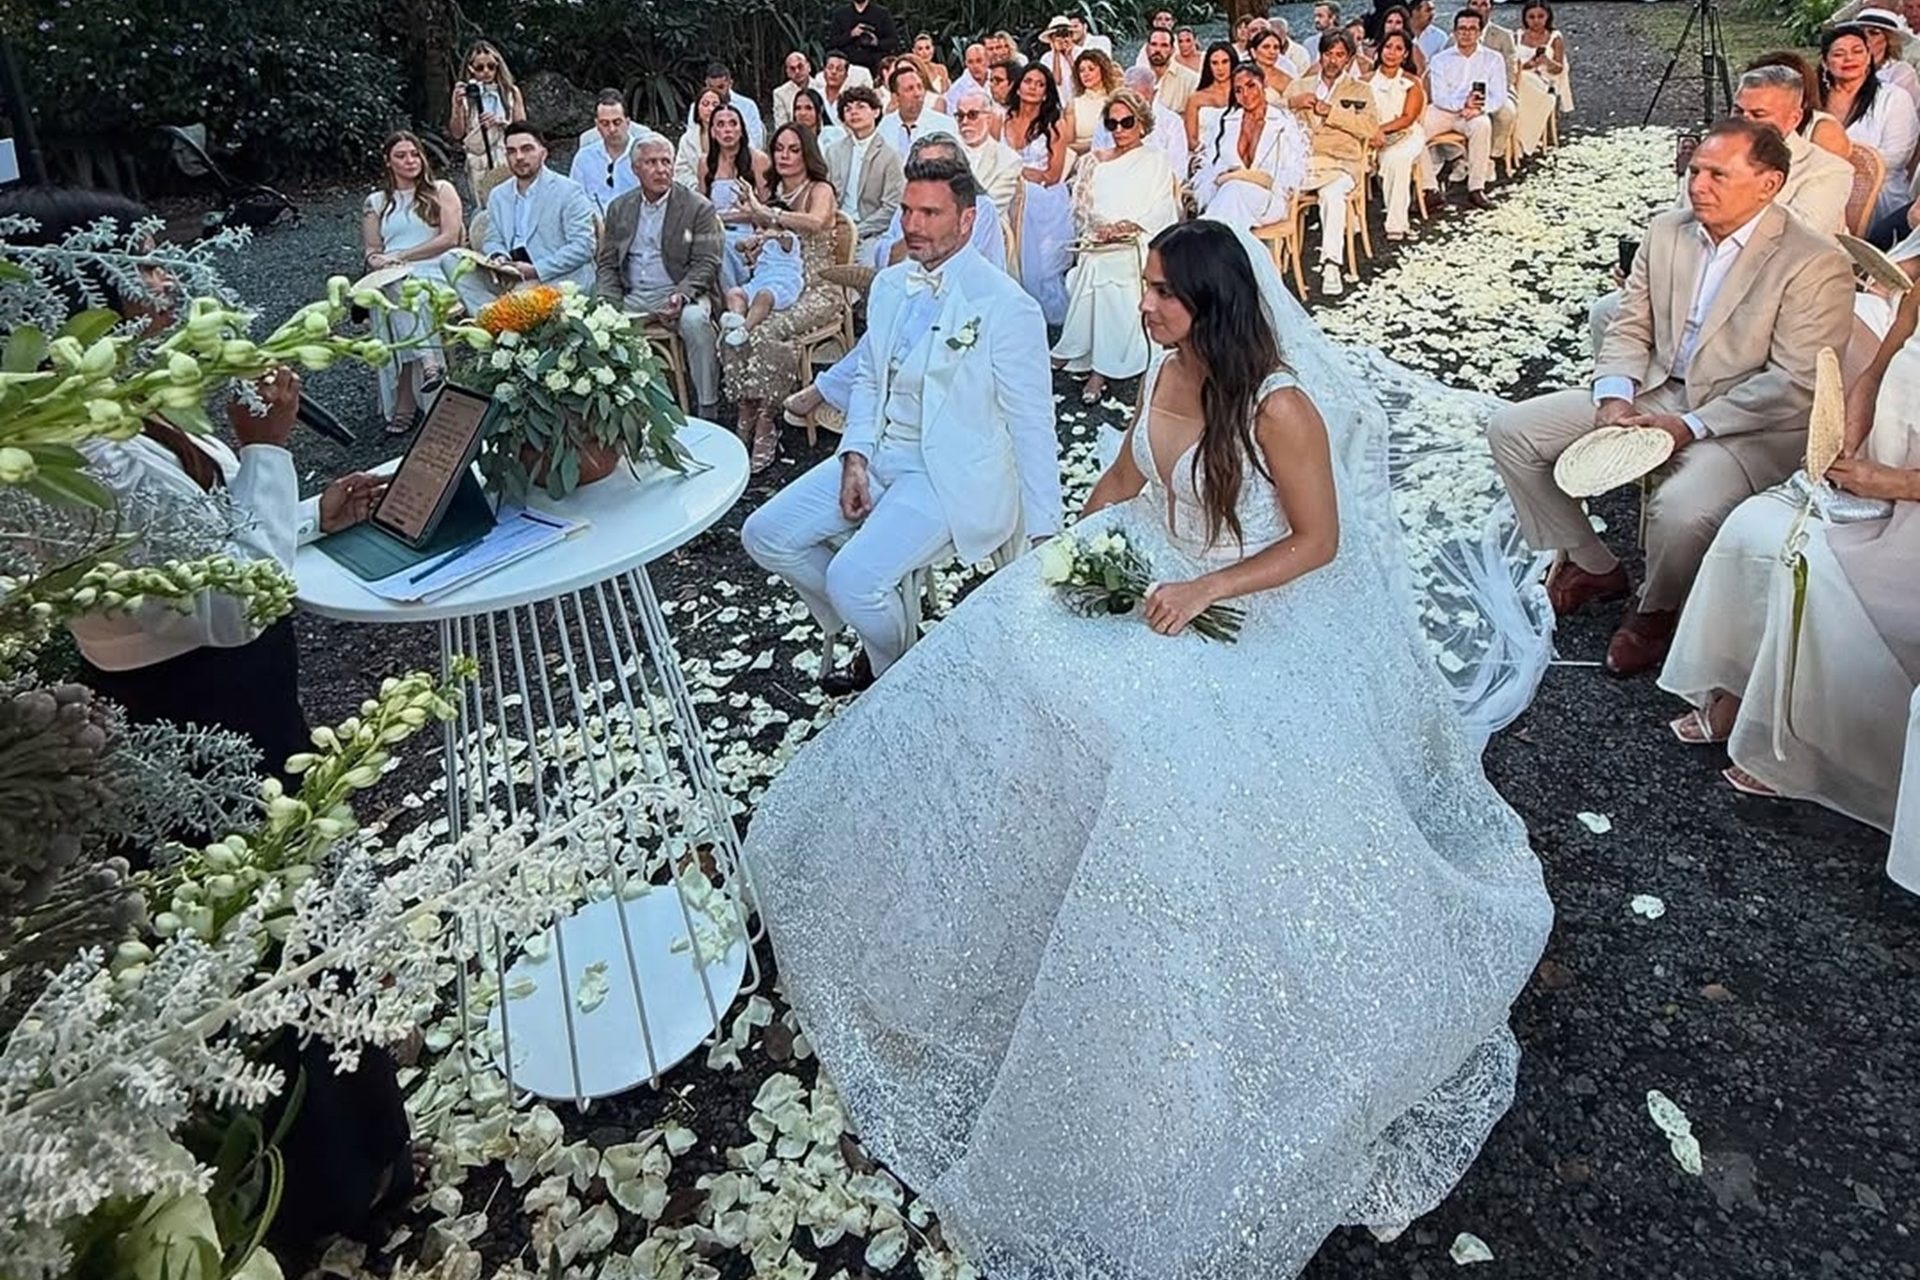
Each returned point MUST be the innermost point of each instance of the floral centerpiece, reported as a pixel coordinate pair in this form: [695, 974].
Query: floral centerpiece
[582, 389]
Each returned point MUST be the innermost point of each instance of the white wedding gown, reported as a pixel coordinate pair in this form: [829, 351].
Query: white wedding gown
[1151, 958]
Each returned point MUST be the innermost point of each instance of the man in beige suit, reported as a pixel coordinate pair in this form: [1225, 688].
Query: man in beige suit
[1338, 114]
[659, 256]
[1723, 315]
[868, 176]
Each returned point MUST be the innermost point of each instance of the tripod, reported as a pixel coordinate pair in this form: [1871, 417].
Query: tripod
[1705, 16]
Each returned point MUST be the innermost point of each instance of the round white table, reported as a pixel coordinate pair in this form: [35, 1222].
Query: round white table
[577, 713]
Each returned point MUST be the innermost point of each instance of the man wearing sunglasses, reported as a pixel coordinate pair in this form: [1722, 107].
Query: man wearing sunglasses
[1338, 113]
[601, 166]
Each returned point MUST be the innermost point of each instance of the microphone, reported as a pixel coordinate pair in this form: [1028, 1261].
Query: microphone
[316, 416]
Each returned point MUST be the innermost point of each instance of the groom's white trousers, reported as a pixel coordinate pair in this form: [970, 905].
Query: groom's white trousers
[857, 585]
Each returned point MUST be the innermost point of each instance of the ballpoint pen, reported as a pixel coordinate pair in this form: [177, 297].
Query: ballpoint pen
[443, 562]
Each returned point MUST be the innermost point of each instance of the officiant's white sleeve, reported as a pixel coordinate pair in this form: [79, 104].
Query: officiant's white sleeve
[1023, 391]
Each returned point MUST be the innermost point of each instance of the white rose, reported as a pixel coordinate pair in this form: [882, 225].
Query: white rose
[1056, 561]
[501, 358]
[603, 376]
[567, 361]
[583, 386]
[556, 380]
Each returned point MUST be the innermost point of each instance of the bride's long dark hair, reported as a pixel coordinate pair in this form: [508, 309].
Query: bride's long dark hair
[1207, 272]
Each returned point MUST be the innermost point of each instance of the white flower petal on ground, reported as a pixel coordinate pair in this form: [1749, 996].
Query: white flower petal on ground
[1468, 1249]
[1598, 823]
[1645, 904]
[1673, 1122]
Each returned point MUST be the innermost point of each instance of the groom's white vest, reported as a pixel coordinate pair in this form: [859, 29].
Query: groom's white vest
[986, 422]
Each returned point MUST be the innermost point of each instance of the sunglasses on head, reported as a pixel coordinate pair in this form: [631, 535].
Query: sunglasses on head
[1116, 123]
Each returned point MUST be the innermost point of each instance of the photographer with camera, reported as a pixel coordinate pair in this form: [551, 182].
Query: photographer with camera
[865, 32]
[483, 105]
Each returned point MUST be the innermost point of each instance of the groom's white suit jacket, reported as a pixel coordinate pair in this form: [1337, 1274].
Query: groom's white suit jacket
[986, 424]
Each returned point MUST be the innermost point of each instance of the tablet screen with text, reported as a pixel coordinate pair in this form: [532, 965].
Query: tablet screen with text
[418, 494]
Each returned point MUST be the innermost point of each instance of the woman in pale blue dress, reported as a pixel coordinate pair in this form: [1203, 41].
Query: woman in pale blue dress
[1145, 957]
[410, 222]
[1035, 130]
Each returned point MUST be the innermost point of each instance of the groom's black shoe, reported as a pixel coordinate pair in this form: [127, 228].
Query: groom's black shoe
[856, 677]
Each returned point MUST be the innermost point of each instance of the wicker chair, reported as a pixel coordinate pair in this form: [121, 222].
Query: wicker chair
[1869, 174]
[834, 338]
[1282, 239]
[665, 340]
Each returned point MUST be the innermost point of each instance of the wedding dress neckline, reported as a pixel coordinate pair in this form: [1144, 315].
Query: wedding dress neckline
[1167, 481]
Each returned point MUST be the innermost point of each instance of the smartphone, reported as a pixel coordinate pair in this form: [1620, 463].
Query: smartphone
[1479, 88]
[1628, 249]
[520, 254]
[1684, 145]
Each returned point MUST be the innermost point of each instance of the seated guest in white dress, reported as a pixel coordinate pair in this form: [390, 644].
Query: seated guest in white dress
[995, 166]
[1887, 37]
[1095, 79]
[810, 113]
[1876, 115]
[1811, 700]
[410, 221]
[660, 257]
[1400, 100]
[694, 141]
[539, 225]
[1122, 199]
[1255, 160]
[913, 115]
[1541, 52]
[949, 445]
[864, 170]
[799, 78]
[605, 170]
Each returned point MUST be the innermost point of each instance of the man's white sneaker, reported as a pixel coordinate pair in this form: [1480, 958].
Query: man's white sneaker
[1330, 282]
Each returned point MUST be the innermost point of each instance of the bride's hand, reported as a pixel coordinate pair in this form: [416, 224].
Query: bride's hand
[1170, 606]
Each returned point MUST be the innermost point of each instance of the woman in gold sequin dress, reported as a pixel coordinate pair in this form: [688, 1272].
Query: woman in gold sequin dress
[1148, 958]
[766, 369]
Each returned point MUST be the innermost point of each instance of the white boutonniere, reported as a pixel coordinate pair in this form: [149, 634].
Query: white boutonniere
[968, 335]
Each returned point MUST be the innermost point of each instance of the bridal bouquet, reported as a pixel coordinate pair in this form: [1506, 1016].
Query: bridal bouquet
[1108, 576]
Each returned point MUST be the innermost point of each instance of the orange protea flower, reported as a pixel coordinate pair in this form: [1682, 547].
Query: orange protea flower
[520, 310]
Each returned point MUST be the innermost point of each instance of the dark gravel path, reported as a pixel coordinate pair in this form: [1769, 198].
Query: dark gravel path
[1775, 1001]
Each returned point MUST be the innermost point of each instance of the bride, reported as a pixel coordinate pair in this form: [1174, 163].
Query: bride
[1148, 958]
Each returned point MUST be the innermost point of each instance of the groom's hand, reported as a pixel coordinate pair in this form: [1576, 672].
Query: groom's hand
[856, 495]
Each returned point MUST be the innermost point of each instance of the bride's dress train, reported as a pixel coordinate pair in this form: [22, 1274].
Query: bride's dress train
[1150, 958]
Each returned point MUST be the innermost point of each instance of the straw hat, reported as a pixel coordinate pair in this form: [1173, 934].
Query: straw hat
[1875, 264]
[1894, 24]
[1057, 23]
[1608, 457]
[381, 277]
[1827, 424]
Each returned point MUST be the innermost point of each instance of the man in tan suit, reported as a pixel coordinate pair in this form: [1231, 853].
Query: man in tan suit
[1337, 112]
[868, 176]
[1723, 315]
[659, 256]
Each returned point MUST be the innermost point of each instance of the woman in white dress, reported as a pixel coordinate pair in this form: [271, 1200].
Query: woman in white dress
[1254, 161]
[730, 173]
[1211, 98]
[1399, 99]
[1276, 71]
[1036, 132]
[1095, 79]
[1190, 951]
[1122, 199]
[1542, 54]
[411, 222]
[1848, 676]
[691, 152]
[484, 104]
[1875, 115]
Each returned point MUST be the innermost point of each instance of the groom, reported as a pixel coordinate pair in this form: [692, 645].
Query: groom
[949, 447]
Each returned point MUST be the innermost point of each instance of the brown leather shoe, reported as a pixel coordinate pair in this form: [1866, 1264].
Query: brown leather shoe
[1571, 588]
[1479, 200]
[1641, 642]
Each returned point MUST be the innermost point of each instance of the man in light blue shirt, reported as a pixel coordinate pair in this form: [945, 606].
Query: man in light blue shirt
[605, 171]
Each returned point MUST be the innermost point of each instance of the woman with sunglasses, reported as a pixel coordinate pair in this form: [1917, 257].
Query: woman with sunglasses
[1121, 199]
[1255, 160]
[484, 104]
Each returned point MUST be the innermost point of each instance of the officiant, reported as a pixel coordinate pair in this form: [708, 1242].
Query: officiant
[949, 445]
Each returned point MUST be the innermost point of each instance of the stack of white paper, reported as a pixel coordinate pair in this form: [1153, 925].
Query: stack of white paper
[517, 534]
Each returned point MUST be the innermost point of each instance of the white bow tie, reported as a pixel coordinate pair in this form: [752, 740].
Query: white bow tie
[918, 281]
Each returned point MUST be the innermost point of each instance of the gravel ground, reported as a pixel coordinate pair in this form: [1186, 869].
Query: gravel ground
[1775, 1001]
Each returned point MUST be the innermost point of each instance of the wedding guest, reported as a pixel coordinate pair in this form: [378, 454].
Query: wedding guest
[1000, 85]
[1255, 160]
[938, 79]
[1362, 49]
[1242, 32]
[903, 505]
[1059, 59]
[1095, 79]
[1121, 199]
[760, 373]
[913, 115]
[1213, 96]
[1455, 105]
[483, 105]
[1819, 125]
[810, 113]
[1887, 34]
[836, 75]
[1298, 57]
[1399, 18]
[730, 172]
[973, 75]
[1160, 20]
[1173, 84]
[1169, 133]
[799, 72]
[695, 140]
[986, 239]
[1428, 36]
[1875, 116]
[1037, 134]
[864, 170]
[1501, 41]
[660, 257]
[1730, 384]
[720, 81]
[1083, 38]
[1268, 50]
[1326, 17]
[865, 32]
[1809, 691]
[1400, 101]
[1340, 121]
[605, 172]
[1543, 69]
[410, 221]
[539, 226]
[1187, 51]
[1001, 48]
[995, 166]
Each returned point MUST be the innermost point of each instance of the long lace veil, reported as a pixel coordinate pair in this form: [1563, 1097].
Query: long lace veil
[1474, 594]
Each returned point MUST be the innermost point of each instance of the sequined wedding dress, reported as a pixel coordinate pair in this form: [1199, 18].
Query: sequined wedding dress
[1150, 958]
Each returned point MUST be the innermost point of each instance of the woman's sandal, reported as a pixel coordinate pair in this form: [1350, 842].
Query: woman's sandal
[1746, 784]
[1092, 395]
[766, 442]
[405, 424]
[1695, 729]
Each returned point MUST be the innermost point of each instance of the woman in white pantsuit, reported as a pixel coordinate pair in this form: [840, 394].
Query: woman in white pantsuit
[1255, 160]
[1399, 99]
[1121, 200]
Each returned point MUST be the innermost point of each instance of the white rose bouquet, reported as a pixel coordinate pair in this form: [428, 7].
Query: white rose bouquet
[1108, 576]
